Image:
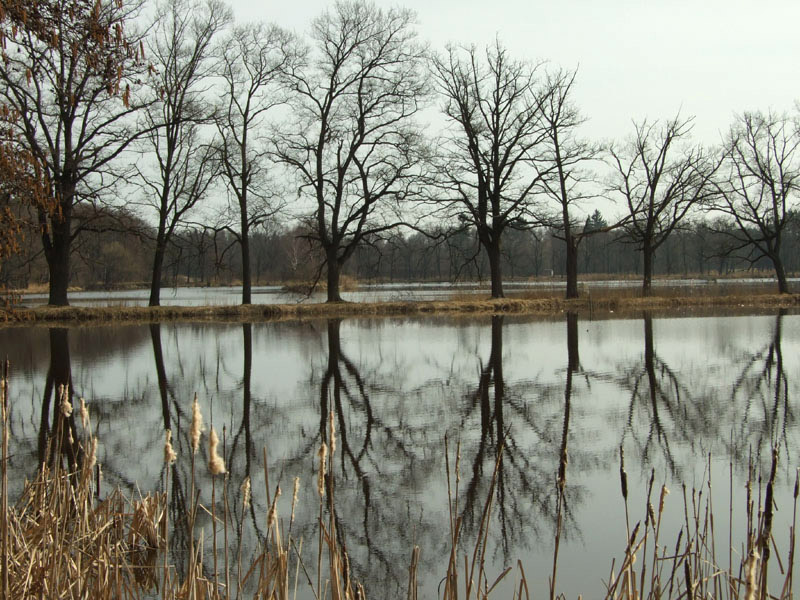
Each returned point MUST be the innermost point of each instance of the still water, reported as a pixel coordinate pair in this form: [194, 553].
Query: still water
[381, 292]
[671, 391]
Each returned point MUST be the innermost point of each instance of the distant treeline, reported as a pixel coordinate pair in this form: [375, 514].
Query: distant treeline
[115, 251]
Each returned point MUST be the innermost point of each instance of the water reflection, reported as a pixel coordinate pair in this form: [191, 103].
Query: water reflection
[58, 386]
[760, 394]
[660, 405]
[739, 409]
[561, 395]
[345, 394]
[562, 505]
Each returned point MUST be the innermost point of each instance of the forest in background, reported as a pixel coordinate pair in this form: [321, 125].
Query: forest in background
[118, 256]
[155, 143]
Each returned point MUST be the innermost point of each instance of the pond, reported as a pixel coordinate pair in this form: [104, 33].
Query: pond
[679, 394]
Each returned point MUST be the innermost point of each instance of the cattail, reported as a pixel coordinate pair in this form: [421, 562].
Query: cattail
[332, 426]
[84, 414]
[623, 475]
[66, 405]
[197, 425]
[216, 466]
[664, 494]
[91, 457]
[323, 456]
[294, 497]
[651, 513]
[246, 492]
[169, 452]
[751, 568]
[273, 510]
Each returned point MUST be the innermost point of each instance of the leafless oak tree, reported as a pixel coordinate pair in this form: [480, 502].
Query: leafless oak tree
[568, 175]
[660, 179]
[759, 181]
[184, 167]
[489, 167]
[352, 140]
[69, 73]
[255, 60]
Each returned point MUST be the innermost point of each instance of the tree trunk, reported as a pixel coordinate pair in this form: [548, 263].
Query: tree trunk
[647, 269]
[780, 274]
[493, 250]
[158, 264]
[57, 255]
[334, 269]
[246, 276]
[572, 267]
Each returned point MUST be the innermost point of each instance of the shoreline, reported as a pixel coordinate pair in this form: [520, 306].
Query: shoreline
[602, 307]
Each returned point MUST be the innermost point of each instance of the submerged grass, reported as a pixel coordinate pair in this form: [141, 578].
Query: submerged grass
[60, 540]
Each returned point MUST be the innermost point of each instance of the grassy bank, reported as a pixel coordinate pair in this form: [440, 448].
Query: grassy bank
[596, 304]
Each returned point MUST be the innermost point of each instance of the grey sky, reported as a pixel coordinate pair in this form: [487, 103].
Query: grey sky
[636, 58]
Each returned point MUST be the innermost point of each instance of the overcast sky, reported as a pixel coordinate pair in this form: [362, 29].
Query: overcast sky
[636, 59]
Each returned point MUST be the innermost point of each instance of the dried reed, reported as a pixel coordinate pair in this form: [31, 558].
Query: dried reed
[691, 570]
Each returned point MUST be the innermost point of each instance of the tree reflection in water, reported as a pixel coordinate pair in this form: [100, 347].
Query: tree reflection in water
[178, 492]
[371, 511]
[680, 408]
[759, 397]
[662, 409]
[527, 497]
[380, 462]
[245, 538]
[62, 427]
[243, 447]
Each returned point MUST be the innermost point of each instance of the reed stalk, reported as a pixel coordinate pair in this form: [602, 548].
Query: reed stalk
[4, 470]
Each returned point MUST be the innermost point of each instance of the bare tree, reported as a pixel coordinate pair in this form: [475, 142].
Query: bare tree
[566, 181]
[183, 169]
[255, 58]
[660, 179]
[353, 143]
[761, 176]
[488, 165]
[66, 74]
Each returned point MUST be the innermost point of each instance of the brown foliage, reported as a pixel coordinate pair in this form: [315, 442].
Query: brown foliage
[24, 183]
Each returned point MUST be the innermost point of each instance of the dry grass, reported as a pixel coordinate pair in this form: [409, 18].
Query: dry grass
[61, 541]
[596, 304]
